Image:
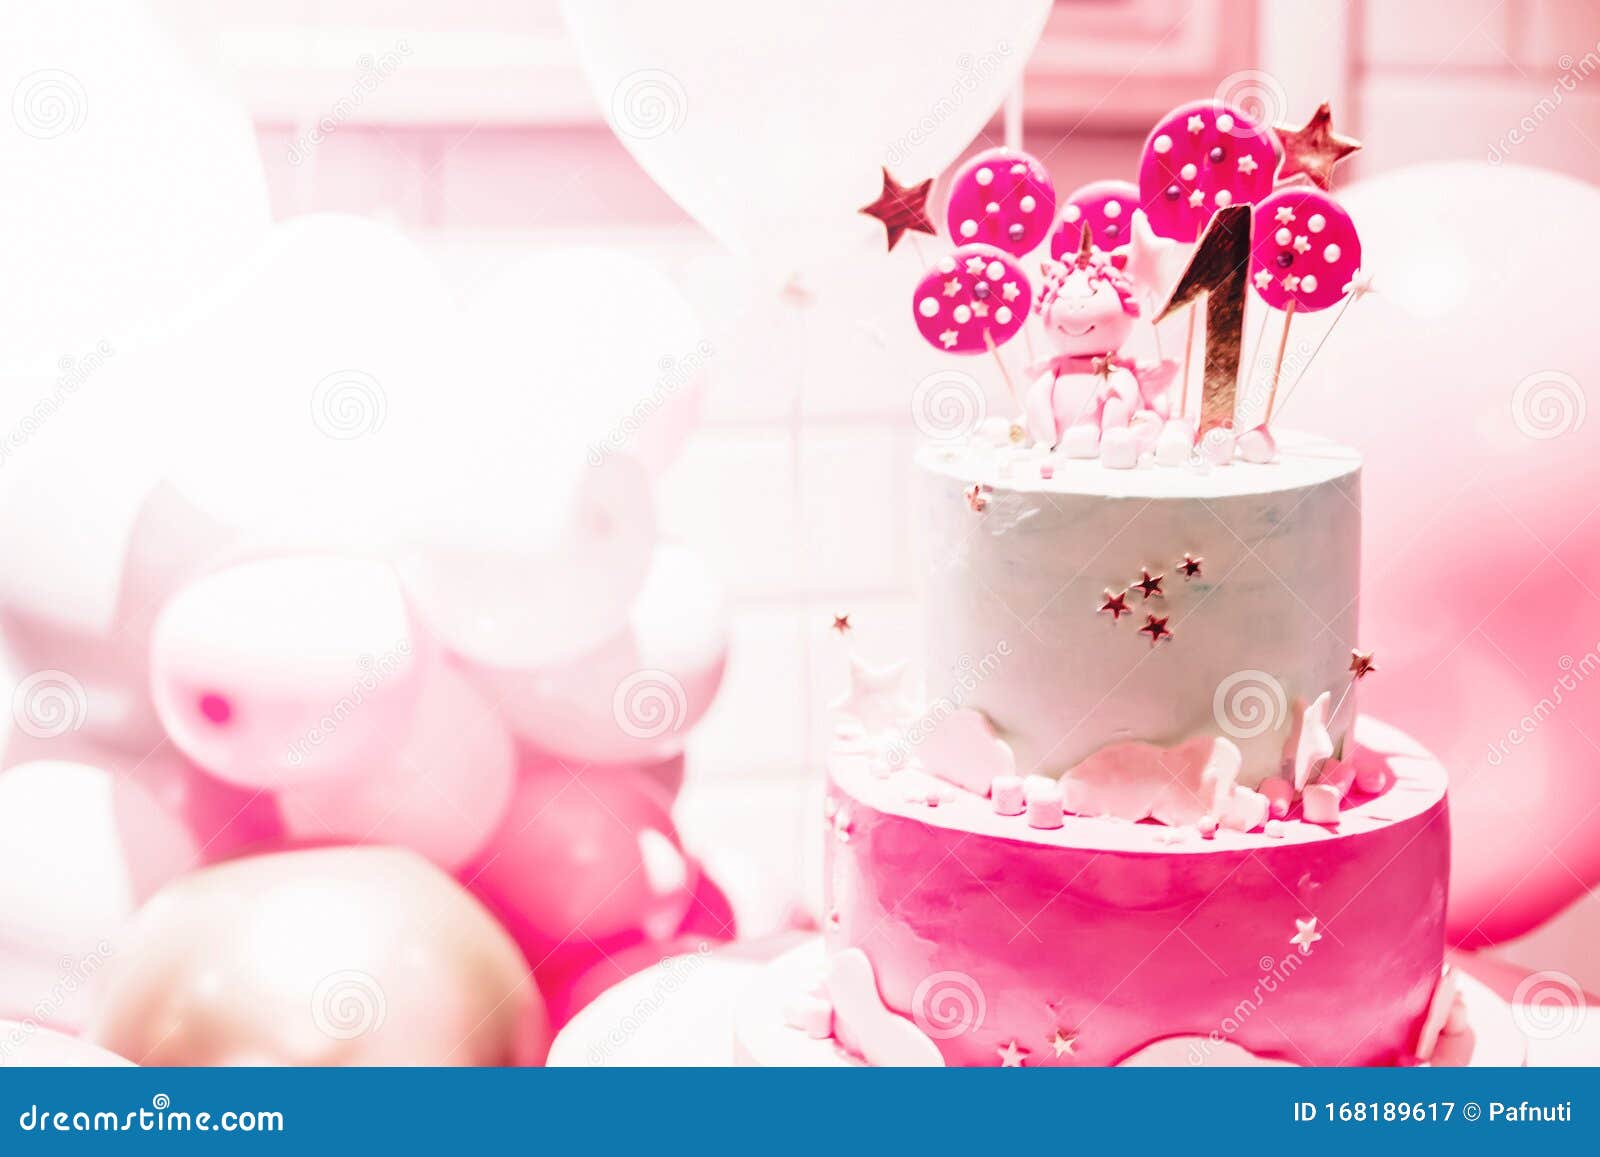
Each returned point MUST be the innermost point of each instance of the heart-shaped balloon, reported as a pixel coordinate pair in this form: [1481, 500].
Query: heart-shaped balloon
[771, 131]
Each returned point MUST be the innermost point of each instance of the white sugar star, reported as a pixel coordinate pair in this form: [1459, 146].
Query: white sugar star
[1360, 285]
[1247, 164]
[1263, 279]
[1196, 199]
[1009, 291]
[1011, 1057]
[975, 266]
[1285, 215]
[952, 287]
[1305, 935]
[948, 338]
[1064, 1044]
[1302, 244]
[877, 698]
[1291, 283]
[979, 309]
[1197, 124]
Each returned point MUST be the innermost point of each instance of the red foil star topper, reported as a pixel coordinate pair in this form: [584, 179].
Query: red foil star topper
[1361, 664]
[1116, 605]
[1156, 628]
[901, 207]
[1314, 149]
[1190, 566]
[841, 623]
[1150, 586]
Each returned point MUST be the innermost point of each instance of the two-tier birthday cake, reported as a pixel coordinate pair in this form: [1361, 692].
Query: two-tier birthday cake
[1132, 814]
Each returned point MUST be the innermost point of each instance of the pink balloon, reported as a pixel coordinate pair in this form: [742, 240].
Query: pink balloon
[635, 698]
[440, 790]
[584, 863]
[286, 670]
[337, 956]
[1465, 383]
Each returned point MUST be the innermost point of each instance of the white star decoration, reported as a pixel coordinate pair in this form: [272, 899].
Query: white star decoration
[1064, 1043]
[1247, 164]
[1285, 215]
[1153, 262]
[1291, 283]
[877, 698]
[1196, 199]
[1305, 935]
[1360, 285]
[948, 338]
[1197, 124]
[975, 266]
[1302, 244]
[1011, 1057]
[1263, 279]
[1009, 291]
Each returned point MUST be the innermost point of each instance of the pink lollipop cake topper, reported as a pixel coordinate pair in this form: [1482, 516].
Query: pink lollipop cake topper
[1200, 158]
[1002, 197]
[1304, 250]
[975, 297]
[1106, 207]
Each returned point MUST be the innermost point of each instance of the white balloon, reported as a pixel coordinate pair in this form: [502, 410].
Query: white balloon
[129, 182]
[79, 851]
[287, 670]
[769, 125]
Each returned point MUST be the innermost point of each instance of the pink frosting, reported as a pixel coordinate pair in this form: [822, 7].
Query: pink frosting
[1119, 934]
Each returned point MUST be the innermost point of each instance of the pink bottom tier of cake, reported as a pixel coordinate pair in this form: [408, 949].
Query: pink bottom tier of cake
[1320, 945]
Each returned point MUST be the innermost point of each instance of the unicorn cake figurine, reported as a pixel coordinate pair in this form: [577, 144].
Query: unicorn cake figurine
[1087, 397]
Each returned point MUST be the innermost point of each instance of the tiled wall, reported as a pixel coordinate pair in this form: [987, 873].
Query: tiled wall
[797, 486]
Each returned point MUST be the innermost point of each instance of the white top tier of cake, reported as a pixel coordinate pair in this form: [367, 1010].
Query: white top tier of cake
[1015, 589]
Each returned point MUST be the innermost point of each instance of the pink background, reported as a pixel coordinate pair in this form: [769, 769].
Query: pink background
[484, 138]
